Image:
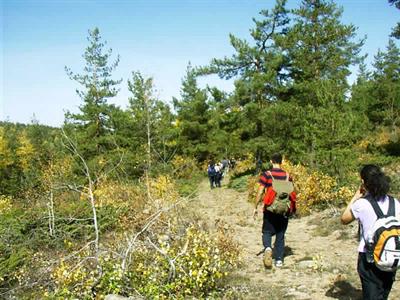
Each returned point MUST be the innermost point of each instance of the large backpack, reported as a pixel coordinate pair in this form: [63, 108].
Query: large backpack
[281, 189]
[383, 239]
[211, 170]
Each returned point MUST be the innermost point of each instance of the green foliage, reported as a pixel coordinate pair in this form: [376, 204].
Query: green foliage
[192, 118]
[377, 93]
[92, 130]
[13, 247]
[239, 183]
[321, 52]
[24, 151]
[396, 29]
[150, 127]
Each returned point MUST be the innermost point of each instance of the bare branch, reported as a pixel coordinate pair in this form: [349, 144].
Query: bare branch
[152, 219]
[110, 170]
[172, 270]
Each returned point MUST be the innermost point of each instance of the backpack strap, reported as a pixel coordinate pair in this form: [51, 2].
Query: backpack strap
[392, 208]
[375, 206]
[377, 209]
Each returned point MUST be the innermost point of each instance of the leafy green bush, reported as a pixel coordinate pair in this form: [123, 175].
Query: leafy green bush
[13, 250]
[239, 183]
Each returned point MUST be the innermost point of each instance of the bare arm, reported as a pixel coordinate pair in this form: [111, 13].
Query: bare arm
[258, 199]
[347, 216]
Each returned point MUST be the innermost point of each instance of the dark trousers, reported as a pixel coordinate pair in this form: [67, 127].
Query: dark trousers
[376, 284]
[218, 178]
[212, 180]
[274, 224]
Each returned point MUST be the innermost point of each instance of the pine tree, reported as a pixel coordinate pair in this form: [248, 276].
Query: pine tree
[386, 87]
[142, 105]
[396, 29]
[260, 68]
[151, 119]
[192, 118]
[321, 51]
[93, 124]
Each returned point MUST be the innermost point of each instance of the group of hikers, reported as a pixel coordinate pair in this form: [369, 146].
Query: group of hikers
[216, 171]
[377, 213]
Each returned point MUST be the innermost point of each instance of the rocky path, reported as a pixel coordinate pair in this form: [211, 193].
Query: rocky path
[320, 261]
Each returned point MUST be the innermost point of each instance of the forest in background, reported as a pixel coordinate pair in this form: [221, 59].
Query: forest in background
[94, 202]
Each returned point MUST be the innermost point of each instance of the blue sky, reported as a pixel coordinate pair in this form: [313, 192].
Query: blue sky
[156, 37]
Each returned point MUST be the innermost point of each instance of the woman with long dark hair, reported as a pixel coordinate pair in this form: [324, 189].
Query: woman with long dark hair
[376, 284]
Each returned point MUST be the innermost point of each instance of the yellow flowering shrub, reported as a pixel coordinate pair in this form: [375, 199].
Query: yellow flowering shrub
[79, 278]
[72, 279]
[378, 138]
[117, 194]
[315, 190]
[252, 187]
[163, 187]
[191, 267]
[25, 151]
[183, 167]
[244, 165]
[5, 204]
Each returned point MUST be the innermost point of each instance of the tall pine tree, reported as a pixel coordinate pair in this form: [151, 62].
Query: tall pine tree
[321, 51]
[92, 126]
[260, 69]
[192, 118]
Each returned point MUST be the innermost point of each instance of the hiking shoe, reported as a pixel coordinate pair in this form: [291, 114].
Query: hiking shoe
[267, 260]
[279, 264]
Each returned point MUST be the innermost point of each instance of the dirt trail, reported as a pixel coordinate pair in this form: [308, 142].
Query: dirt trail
[315, 267]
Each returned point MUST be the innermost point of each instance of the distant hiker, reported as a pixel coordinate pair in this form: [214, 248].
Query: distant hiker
[232, 163]
[370, 203]
[225, 167]
[212, 173]
[276, 211]
[218, 174]
[258, 166]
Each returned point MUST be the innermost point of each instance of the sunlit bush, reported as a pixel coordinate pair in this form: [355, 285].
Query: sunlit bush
[163, 187]
[116, 193]
[183, 167]
[73, 278]
[244, 166]
[252, 187]
[315, 190]
[190, 266]
[5, 204]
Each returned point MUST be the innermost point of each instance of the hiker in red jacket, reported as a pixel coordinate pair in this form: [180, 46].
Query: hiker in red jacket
[274, 223]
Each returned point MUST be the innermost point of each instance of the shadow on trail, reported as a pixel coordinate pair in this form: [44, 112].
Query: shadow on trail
[288, 251]
[343, 290]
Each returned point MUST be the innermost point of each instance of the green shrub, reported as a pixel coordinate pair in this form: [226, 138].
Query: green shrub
[239, 183]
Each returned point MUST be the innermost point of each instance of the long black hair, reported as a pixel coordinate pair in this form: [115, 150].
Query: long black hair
[375, 181]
